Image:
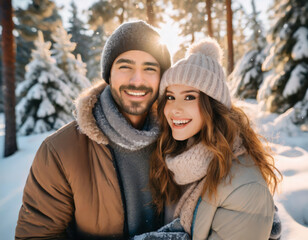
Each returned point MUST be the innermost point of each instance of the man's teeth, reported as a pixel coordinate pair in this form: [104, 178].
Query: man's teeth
[136, 93]
[180, 122]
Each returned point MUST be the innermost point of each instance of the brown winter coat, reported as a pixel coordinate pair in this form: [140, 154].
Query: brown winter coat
[73, 180]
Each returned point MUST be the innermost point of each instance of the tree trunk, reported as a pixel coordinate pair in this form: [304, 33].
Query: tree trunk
[150, 13]
[209, 17]
[121, 16]
[8, 76]
[230, 37]
[254, 19]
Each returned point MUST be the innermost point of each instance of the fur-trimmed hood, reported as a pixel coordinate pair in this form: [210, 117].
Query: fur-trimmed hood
[84, 105]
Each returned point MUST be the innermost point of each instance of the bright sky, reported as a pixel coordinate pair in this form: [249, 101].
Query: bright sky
[168, 31]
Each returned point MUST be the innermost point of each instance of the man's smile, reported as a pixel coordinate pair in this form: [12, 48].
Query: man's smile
[135, 93]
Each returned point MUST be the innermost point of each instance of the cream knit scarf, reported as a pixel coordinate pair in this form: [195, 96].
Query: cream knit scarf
[190, 169]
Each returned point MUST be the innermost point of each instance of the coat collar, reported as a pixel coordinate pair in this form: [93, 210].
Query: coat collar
[84, 105]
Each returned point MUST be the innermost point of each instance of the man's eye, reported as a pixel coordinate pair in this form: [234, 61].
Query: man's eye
[168, 97]
[150, 69]
[124, 67]
[190, 97]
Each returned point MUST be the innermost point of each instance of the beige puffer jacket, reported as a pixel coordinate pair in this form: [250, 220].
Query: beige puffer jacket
[244, 208]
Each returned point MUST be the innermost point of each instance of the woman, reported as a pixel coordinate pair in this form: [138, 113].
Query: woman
[208, 158]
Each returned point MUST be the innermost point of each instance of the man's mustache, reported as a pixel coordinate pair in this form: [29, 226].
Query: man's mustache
[139, 88]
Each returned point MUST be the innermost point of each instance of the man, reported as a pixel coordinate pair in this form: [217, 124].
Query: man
[89, 180]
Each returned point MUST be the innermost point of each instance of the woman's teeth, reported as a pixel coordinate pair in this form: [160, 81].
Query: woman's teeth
[180, 122]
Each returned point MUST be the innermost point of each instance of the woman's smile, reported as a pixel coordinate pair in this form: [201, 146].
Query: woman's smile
[180, 123]
[182, 111]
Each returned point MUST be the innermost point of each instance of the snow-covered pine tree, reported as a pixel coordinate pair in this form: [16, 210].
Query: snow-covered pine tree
[190, 16]
[247, 76]
[286, 81]
[39, 15]
[78, 31]
[98, 40]
[73, 68]
[45, 95]
[241, 22]
[114, 12]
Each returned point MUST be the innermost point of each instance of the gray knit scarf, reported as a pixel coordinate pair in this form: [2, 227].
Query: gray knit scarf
[132, 149]
[118, 130]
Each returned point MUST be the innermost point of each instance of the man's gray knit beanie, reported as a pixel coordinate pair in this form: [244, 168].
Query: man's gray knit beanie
[200, 69]
[137, 35]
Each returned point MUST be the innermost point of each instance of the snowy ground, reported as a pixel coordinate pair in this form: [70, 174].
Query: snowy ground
[287, 141]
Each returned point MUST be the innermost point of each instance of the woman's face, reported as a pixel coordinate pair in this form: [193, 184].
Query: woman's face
[182, 111]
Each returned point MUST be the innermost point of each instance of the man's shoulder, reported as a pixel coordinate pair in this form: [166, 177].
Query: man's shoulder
[67, 140]
[69, 131]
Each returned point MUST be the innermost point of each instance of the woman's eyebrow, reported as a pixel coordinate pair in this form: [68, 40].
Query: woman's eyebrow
[191, 91]
[184, 92]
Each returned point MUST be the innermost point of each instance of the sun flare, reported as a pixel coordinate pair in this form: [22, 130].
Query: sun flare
[169, 35]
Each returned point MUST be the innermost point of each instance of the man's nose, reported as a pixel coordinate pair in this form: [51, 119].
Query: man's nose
[137, 78]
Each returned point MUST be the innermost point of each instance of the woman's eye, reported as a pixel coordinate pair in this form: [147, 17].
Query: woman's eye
[190, 97]
[168, 97]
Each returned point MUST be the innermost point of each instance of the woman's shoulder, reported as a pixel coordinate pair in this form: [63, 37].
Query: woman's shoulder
[243, 173]
[242, 209]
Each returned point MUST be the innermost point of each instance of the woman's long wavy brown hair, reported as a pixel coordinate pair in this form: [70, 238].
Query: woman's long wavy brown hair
[219, 130]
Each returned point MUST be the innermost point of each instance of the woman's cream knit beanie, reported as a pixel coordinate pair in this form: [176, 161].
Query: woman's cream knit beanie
[202, 70]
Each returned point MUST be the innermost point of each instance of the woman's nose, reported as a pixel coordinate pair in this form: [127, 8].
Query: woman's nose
[177, 107]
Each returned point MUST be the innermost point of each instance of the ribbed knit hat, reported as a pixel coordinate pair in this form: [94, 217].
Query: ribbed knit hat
[202, 70]
[136, 35]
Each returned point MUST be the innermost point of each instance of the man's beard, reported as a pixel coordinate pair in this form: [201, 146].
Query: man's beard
[132, 108]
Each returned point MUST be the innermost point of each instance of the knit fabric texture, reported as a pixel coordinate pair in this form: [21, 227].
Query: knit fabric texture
[136, 35]
[131, 150]
[118, 130]
[190, 167]
[186, 168]
[202, 70]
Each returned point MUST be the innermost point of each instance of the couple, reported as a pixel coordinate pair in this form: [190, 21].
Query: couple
[115, 174]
